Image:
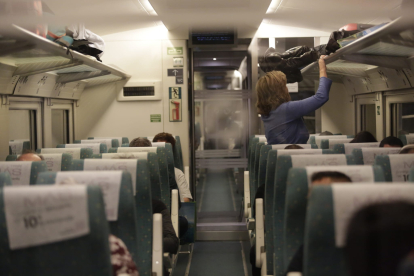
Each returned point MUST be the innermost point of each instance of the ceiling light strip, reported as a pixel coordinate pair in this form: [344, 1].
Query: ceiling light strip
[147, 7]
[274, 6]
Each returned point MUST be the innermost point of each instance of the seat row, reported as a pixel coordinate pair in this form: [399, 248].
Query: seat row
[285, 174]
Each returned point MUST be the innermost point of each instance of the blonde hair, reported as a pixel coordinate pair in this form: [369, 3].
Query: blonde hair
[271, 92]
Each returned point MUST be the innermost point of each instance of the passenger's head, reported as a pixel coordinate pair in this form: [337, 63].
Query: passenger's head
[329, 177]
[326, 133]
[164, 137]
[409, 149]
[293, 146]
[391, 142]
[379, 236]
[271, 92]
[29, 155]
[140, 142]
[364, 137]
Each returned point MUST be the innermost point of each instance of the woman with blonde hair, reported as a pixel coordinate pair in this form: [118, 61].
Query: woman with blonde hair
[282, 117]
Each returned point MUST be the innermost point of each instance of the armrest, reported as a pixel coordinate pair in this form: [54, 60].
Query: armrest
[259, 231]
[251, 223]
[187, 174]
[246, 194]
[174, 210]
[294, 274]
[157, 250]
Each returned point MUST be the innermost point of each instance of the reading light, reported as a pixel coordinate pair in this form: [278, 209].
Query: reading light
[146, 5]
[214, 59]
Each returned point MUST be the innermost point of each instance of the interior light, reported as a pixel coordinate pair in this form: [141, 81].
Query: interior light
[146, 5]
[274, 6]
[214, 59]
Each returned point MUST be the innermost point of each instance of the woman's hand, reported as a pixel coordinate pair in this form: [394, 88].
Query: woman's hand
[322, 67]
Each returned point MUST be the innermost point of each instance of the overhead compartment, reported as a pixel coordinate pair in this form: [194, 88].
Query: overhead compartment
[33, 66]
[379, 61]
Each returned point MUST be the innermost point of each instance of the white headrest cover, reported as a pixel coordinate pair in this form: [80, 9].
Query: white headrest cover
[74, 152]
[158, 144]
[19, 171]
[351, 146]
[333, 142]
[16, 147]
[410, 139]
[118, 138]
[53, 161]
[107, 142]
[356, 173]
[318, 139]
[126, 155]
[283, 146]
[318, 160]
[369, 154]
[401, 164]
[95, 147]
[298, 151]
[137, 149]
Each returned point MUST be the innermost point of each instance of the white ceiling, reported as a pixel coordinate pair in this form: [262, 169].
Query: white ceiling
[114, 16]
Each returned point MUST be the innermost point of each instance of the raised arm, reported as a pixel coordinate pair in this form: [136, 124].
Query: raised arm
[306, 106]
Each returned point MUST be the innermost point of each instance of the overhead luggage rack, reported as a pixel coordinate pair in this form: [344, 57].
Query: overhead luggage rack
[25, 54]
[390, 46]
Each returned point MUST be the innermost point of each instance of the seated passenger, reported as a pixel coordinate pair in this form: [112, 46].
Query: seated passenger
[326, 133]
[121, 258]
[391, 142]
[29, 155]
[320, 178]
[183, 187]
[379, 237]
[364, 137]
[294, 146]
[407, 149]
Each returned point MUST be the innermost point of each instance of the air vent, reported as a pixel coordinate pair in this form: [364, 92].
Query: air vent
[139, 91]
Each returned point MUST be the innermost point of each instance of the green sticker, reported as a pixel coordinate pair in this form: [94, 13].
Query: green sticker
[378, 110]
[155, 118]
[175, 51]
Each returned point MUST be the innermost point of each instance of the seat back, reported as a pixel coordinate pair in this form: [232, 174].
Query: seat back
[170, 160]
[162, 165]
[283, 164]
[336, 204]
[23, 173]
[5, 179]
[297, 191]
[47, 252]
[305, 146]
[252, 148]
[407, 139]
[366, 156]
[96, 147]
[116, 187]
[55, 162]
[121, 140]
[318, 139]
[76, 153]
[396, 167]
[329, 143]
[178, 154]
[349, 147]
[17, 146]
[110, 143]
[254, 173]
[141, 186]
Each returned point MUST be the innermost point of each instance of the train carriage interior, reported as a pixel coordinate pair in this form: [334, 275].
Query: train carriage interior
[196, 137]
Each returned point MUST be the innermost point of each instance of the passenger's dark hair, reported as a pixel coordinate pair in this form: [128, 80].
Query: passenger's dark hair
[140, 142]
[164, 137]
[364, 137]
[335, 176]
[407, 149]
[293, 146]
[28, 151]
[392, 141]
[325, 133]
[379, 236]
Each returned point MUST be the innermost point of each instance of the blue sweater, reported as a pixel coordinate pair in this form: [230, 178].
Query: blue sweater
[284, 125]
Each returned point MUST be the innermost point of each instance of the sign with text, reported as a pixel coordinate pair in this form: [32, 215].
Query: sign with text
[94, 147]
[53, 162]
[74, 152]
[175, 104]
[318, 160]
[19, 172]
[401, 164]
[155, 118]
[45, 214]
[175, 51]
[369, 154]
[129, 165]
[110, 183]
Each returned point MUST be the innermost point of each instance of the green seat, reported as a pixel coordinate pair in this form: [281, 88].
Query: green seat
[254, 173]
[178, 154]
[349, 147]
[267, 166]
[366, 156]
[5, 179]
[85, 255]
[162, 165]
[10, 150]
[124, 226]
[110, 143]
[407, 139]
[18, 146]
[23, 172]
[330, 143]
[297, 194]
[76, 153]
[141, 180]
[121, 140]
[283, 164]
[396, 167]
[96, 148]
[325, 233]
[55, 161]
[170, 161]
